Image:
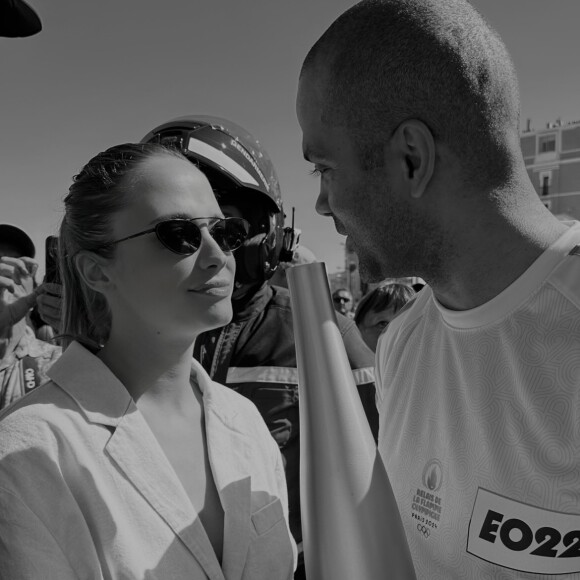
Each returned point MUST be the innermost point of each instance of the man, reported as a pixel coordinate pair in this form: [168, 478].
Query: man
[342, 300]
[23, 358]
[255, 354]
[410, 113]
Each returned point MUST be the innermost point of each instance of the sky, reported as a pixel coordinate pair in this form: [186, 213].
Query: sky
[108, 71]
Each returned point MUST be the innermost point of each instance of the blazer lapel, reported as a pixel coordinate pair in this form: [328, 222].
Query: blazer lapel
[137, 453]
[234, 487]
[229, 455]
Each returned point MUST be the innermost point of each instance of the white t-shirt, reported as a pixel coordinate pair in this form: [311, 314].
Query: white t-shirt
[480, 426]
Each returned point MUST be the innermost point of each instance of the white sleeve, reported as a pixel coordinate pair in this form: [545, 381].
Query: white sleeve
[27, 547]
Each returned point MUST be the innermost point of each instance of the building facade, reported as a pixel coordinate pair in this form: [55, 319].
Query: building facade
[552, 158]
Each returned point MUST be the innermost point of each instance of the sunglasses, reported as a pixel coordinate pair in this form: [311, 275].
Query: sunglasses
[183, 237]
[341, 299]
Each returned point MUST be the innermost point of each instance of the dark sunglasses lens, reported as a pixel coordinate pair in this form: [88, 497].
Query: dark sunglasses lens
[230, 233]
[180, 236]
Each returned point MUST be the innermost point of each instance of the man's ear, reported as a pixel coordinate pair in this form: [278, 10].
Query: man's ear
[416, 149]
[94, 271]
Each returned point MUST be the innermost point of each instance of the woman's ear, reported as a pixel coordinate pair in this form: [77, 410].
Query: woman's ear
[94, 271]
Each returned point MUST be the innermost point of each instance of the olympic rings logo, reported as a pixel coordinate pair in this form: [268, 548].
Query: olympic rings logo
[424, 530]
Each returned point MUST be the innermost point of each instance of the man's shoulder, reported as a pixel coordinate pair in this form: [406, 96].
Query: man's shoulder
[412, 310]
[406, 319]
[565, 278]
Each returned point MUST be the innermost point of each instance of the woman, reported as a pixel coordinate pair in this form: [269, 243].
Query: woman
[130, 462]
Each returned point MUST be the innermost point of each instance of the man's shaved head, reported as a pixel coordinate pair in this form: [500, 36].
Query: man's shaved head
[386, 61]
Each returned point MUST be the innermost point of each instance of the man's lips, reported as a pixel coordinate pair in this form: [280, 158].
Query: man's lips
[340, 228]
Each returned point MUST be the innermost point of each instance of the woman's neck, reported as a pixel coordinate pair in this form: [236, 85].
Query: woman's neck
[153, 370]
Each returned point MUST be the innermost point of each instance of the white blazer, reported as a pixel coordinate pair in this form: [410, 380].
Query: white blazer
[86, 491]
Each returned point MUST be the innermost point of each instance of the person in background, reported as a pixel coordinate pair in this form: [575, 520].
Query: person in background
[24, 359]
[342, 300]
[410, 114]
[378, 308]
[301, 255]
[255, 353]
[131, 462]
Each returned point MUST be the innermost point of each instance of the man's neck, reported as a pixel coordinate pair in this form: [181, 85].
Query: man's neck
[491, 255]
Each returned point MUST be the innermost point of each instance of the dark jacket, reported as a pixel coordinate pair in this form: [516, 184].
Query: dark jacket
[255, 356]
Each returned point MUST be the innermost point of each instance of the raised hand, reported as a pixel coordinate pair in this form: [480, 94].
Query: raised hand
[49, 300]
[17, 293]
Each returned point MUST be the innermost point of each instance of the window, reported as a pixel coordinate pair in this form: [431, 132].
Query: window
[547, 144]
[545, 178]
[546, 185]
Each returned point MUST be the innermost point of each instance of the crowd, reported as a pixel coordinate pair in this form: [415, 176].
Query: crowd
[122, 455]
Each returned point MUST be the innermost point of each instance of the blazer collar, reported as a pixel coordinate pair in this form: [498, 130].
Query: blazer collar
[103, 398]
[100, 395]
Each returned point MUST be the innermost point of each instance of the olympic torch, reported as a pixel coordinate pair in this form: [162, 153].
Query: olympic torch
[351, 525]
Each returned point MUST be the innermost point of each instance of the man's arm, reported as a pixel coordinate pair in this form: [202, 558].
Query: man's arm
[362, 363]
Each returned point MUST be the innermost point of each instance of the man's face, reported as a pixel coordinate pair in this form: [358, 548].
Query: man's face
[368, 205]
[342, 302]
[240, 290]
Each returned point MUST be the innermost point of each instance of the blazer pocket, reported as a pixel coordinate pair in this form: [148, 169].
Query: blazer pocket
[268, 516]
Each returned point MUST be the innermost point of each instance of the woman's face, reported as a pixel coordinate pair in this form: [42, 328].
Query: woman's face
[153, 289]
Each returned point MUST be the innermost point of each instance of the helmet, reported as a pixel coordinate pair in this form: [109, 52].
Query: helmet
[241, 174]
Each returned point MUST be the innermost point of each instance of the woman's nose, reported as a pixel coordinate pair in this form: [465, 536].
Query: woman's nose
[210, 255]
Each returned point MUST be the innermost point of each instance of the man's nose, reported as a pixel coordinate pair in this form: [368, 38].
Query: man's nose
[322, 204]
